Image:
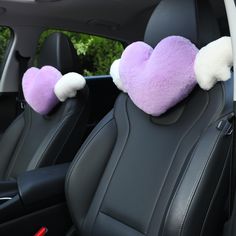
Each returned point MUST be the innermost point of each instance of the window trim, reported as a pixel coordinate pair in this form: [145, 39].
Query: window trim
[8, 50]
[63, 30]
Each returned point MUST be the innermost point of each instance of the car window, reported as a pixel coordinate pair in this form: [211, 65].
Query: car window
[95, 53]
[5, 39]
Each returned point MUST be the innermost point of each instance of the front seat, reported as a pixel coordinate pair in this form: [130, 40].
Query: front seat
[33, 140]
[58, 51]
[141, 175]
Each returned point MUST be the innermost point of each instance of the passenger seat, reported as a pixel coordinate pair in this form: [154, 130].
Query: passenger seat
[33, 140]
[138, 174]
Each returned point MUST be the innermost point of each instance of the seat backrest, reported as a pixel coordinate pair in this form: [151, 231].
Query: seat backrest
[142, 175]
[34, 140]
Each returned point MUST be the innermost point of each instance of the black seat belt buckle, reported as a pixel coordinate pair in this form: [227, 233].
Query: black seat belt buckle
[226, 125]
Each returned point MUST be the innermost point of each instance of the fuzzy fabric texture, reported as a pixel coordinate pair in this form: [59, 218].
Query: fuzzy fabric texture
[44, 88]
[38, 88]
[213, 63]
[157, 79]
[115, 74]
[68, 86]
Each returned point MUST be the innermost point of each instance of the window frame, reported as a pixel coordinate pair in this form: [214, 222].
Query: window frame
[62, 30]
[7, 51]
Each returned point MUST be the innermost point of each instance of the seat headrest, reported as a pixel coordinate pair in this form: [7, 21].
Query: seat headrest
[188, 18]
[58, 51]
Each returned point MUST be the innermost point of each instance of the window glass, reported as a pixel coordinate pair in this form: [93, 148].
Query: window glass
[95, 53]
[5, 38]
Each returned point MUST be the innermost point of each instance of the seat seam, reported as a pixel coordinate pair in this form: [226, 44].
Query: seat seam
[78, 158]
[72, 128]
[118, 160]
[196, 184]
[178, 184]
[54, 135]
[4, 175]
[216, 190]
[221, 106]
[81, 152]
[59, 128]
[121, 222]
[174, 157]
[20, 143]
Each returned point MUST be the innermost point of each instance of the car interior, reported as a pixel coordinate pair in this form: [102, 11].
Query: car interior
[98, 164]
[68, 120]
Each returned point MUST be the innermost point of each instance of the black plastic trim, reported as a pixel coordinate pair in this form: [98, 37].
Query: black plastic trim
[42, 184]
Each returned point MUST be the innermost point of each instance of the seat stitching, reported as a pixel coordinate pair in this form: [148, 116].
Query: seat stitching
[221, 106]
[56, 134]
[174, 156]
[114, 169]
[78, 158]
[216, 190]
[81, 152]
[74, 125]
[48, 145]
[115, 219]
[18, 140]
[20, 143]
[196, 184]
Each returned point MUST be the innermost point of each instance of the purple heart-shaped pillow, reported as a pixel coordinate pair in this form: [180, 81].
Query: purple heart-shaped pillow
[38, 88]
[157, 79]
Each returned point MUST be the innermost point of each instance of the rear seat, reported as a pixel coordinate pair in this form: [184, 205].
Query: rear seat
[33, 140]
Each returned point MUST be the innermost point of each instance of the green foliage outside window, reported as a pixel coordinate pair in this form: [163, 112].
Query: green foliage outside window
[5, 35]
[96, 54]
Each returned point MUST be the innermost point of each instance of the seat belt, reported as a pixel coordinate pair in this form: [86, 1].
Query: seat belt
[23, 66]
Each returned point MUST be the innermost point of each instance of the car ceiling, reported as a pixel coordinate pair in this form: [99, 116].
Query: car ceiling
[121, 19]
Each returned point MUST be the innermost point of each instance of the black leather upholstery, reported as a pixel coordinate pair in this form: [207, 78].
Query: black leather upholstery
[33, 140]
[184, 18]
[139, 175]
[58, 51]
[160, 179]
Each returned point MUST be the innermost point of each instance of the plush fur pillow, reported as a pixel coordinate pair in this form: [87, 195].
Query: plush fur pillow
[44, 88]
[157, 79]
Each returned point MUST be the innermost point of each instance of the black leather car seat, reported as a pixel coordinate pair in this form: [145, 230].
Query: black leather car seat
[58, 51]
[140, 175]
[33, 140]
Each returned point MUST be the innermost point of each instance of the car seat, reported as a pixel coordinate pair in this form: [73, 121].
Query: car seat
[34, 140]
[137, 174]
